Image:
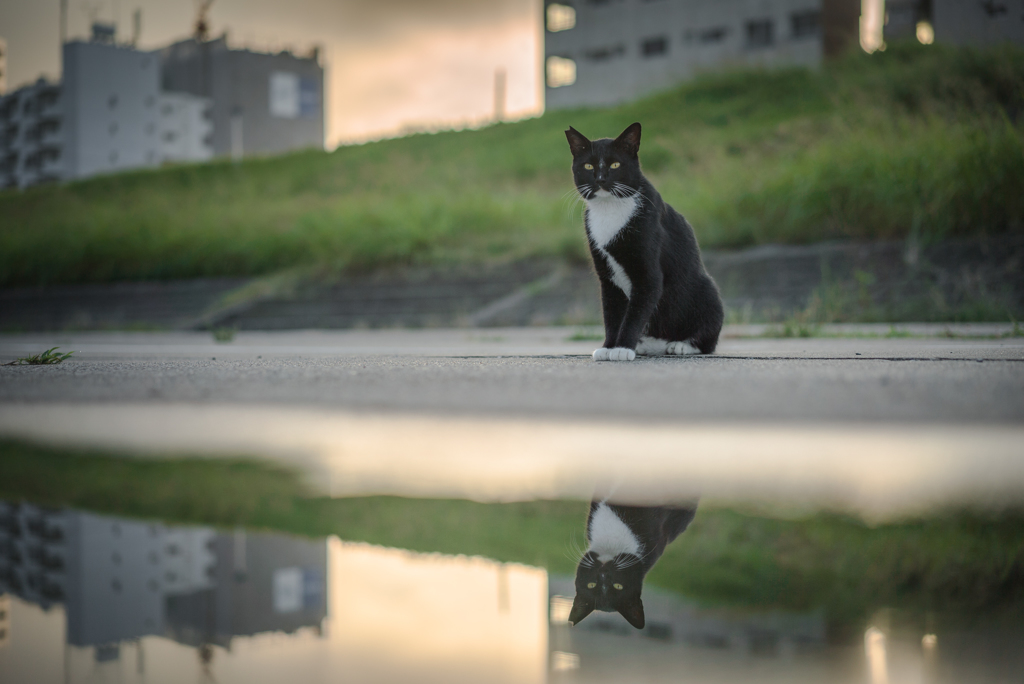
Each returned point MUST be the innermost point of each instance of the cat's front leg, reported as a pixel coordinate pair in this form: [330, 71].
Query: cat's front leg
[642, 302]
[613, 305]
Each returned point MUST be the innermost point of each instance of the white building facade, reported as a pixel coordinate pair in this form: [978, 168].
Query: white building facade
[602, 52]
[110, 97]
[186, 127]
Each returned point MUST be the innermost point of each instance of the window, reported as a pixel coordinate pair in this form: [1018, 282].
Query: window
[712, 35]
[605, 53]
[561, 17]
[652, 47]
[561, 72]
[804, 24]
[760, 33]
[284, 95]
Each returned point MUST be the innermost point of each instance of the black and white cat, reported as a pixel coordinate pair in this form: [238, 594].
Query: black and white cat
[625, 542]
[656, 296]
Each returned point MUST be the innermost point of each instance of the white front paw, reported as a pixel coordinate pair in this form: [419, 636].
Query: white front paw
[681, 349]
[601, 354]
[621, 354]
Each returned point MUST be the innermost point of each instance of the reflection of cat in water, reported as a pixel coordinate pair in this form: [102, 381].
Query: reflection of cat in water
[625, 542]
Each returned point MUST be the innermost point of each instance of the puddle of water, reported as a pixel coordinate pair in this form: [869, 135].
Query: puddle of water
[875, 470]
[93, 598]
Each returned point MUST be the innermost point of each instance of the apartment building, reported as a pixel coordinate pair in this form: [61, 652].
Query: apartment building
[31, 140]
[118, 108]
[261, 103]
[601, 52]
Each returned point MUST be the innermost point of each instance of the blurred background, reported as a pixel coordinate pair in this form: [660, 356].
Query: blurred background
[196, 134]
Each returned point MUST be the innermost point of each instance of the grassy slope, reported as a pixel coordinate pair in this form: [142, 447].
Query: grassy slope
[924, 140]
[727, 556]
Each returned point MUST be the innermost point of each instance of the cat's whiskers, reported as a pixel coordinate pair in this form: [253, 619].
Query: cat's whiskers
[630, 193]
[579, 556]
[579, 199]
[571, 199]
[629, 562]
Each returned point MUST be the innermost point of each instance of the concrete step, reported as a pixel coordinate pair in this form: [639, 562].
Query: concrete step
[963, 279]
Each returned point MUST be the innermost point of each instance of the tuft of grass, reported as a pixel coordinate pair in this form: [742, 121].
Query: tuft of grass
[223, 334]
[730, 555]
[922, 140]
[47, 358]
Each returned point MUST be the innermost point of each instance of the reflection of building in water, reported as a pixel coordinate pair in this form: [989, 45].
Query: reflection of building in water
[260, 583]
[122, 579]
[605, 643]
[400, 616]
[982, 23]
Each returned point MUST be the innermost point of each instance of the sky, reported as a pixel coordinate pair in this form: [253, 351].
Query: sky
[390, 65]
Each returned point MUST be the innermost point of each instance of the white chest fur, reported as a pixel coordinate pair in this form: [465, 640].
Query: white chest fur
[606, 216]
[609, 536]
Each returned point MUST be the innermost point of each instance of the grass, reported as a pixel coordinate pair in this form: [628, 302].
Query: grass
[731, 555]
[223, 334]
[47, 358]
[922, 141]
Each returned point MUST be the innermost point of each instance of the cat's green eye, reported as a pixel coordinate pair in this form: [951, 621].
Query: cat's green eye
[618, 586]
[591, 585]
[588, 167]
[616, 165]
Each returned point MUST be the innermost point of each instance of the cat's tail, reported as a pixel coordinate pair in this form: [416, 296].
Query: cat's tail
[712, 318]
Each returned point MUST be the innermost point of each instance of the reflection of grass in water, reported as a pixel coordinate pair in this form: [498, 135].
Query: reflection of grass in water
[954, 560]
[239, 492]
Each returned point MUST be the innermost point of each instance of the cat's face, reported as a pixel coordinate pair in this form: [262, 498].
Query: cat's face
[613, 587]
[606, 167]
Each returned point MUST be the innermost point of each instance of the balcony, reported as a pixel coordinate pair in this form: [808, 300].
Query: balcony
[48, 104]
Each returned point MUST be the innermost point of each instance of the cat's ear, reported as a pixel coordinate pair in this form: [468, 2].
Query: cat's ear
[633, 611]
[581, 608]
[629, 140]
[578, 143]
